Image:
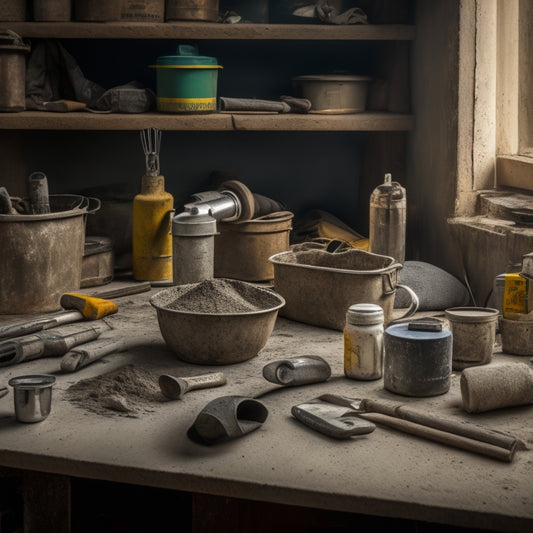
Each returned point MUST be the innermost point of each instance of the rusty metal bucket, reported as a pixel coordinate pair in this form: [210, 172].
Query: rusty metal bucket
[42, 255]
[242, 248]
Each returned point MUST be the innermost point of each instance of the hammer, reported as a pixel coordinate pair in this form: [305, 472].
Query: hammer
[78, 307]
[174, 388]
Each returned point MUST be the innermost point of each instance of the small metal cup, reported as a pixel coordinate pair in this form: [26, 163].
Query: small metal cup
[32, 396]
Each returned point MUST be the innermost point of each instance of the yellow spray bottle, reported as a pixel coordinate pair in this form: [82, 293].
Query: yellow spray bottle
[153, 208]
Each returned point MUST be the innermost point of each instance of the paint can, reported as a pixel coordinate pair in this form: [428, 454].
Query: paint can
[186, 82]
[417, 361]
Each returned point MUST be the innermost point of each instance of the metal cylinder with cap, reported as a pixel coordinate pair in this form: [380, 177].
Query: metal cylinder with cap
[193, 247]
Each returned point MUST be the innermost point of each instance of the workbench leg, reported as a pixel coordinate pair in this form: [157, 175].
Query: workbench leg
[47, 499]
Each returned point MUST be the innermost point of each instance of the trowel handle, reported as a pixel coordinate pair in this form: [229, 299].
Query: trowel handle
[444, 437]
[205, 381]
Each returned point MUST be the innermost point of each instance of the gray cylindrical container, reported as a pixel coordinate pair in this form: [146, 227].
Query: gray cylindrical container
[417, 362]
[193, 248]
[13, 52]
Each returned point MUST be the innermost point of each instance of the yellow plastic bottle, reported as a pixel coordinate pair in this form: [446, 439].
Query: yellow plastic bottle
[152, 239]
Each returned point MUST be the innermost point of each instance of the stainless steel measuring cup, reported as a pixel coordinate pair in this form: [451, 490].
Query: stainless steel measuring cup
[32, 396]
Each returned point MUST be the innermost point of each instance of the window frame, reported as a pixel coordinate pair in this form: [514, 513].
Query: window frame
[514, 94]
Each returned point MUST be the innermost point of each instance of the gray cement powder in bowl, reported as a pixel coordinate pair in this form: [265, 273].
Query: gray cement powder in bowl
[218, 296]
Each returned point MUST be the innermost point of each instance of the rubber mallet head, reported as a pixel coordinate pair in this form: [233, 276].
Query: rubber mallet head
[90, 307]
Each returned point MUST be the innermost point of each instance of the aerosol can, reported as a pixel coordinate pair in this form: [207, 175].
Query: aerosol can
[153, 208]
[388, 217]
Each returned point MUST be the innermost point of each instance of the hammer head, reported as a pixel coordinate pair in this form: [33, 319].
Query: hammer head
[90, 307]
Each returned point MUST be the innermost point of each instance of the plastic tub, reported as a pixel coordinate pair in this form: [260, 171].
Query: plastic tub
[186, 82]
[320, 286]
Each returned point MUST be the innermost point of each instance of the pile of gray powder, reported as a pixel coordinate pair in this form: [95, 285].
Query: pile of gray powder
[129, 391]
[219, 296]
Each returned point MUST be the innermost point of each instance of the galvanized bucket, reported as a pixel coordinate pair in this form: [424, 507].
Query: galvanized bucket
[42, 255]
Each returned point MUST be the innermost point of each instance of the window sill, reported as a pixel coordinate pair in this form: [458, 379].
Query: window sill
[514, 171]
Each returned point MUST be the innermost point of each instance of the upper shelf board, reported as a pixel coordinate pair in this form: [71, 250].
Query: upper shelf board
[81, 120]
[210, 30]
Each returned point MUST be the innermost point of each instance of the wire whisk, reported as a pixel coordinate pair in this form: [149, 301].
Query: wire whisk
[151, 142]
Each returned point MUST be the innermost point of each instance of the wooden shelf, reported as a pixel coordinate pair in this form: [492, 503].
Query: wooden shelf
[210, 30]
[43, 120]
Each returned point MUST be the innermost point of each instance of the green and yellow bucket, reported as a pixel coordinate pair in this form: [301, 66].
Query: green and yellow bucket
[186, 82]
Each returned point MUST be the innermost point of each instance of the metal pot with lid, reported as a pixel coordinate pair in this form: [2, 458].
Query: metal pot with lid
[13, 72]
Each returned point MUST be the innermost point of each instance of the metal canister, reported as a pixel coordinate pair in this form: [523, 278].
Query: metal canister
[193, 248]
[13, 52]
[388, 218]
[417, 362]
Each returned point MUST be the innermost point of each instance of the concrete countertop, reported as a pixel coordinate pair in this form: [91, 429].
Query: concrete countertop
[384, 473]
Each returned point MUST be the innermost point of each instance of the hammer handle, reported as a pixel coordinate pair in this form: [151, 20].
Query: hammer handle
[444, 437]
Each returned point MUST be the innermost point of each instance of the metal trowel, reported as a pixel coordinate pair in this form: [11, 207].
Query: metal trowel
[332, 420]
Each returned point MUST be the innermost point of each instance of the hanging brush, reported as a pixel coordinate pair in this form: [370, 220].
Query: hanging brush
[151, 143]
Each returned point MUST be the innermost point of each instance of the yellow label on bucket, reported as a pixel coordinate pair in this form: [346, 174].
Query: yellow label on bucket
[517, 295]
[181, 105]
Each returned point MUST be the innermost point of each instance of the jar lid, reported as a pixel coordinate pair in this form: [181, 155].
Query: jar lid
[402, 331]
[472, 314]
[187, 55]
[361, 314]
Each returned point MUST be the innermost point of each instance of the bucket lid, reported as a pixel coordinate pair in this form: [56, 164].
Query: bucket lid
[402, 331]
[187, 56]
[472, 314]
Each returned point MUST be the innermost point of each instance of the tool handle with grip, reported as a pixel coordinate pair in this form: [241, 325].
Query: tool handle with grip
[205, 381]
[443, 437]
[92, 351]
[464, 429]
[39, 324]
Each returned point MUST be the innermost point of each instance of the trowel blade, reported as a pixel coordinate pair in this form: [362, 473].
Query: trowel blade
[332, 420]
